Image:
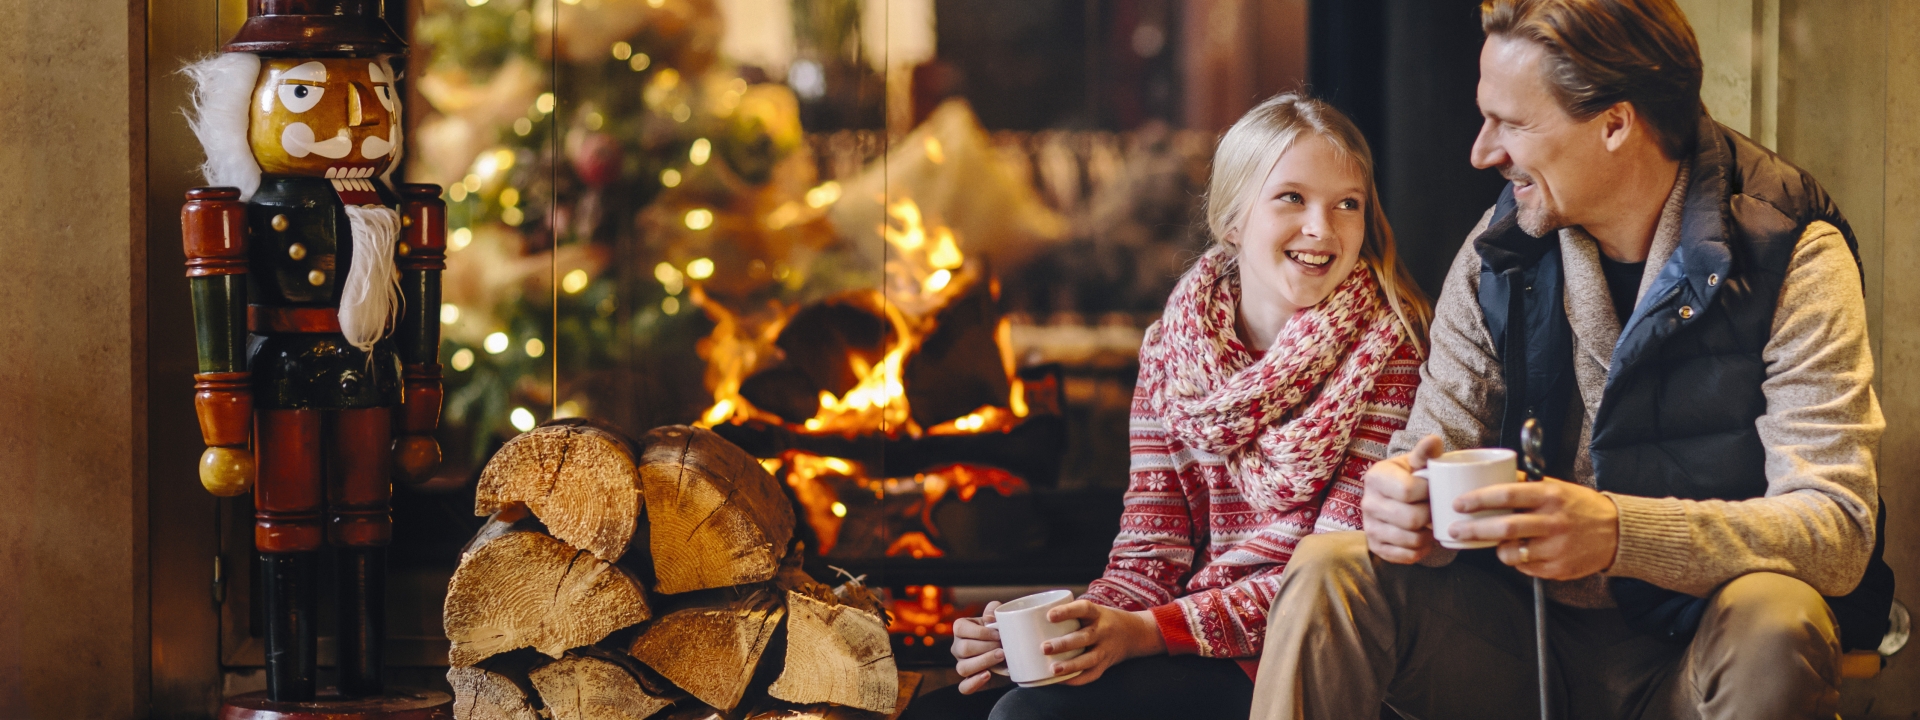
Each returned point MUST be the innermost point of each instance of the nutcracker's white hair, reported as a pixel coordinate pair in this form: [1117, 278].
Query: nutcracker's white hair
[222, 88]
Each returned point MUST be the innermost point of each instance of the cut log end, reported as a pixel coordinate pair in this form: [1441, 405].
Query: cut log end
[578, 477]
[712, 646]
[480, 694]
[836, 654]
[716, 517]
[908, 683]
[525, 589]
[591, 688]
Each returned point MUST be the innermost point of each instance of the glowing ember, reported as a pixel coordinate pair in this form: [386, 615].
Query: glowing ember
[915, 544]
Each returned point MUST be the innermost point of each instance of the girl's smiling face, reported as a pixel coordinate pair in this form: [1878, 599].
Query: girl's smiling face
[1303, 230]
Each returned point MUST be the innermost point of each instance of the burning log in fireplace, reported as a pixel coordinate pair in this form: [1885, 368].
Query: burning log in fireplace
[701, 608]
[886, 412]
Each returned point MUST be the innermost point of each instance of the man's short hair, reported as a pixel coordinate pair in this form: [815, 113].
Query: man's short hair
[1600, 52]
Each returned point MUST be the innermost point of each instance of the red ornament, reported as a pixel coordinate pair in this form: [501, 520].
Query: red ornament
[596, 159]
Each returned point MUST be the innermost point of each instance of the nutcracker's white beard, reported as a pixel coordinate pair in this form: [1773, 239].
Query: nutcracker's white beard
[370, 301]
[222, 88]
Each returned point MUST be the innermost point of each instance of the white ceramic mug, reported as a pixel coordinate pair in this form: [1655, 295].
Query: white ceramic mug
[1458, 473]
[1024, 628]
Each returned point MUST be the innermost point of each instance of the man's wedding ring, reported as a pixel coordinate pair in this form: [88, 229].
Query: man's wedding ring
[1526, 554]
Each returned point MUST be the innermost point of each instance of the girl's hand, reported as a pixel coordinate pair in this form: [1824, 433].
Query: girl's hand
[1110, 636]
[976, 648]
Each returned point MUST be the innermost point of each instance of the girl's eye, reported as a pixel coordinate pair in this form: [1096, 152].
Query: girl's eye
[1349, 204]
[1290, 197]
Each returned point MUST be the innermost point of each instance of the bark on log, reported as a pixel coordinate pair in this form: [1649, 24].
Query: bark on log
[717, 518]
[577, 476]
[711, 645]
[522, 588]
[583, 687]
[481, 694]
[836, 654]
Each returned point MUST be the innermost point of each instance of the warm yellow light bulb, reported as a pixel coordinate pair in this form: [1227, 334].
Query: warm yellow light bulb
[699, 219]
[460, 237]
[701, 150]
[462, 359]
[535, 348]
[574, 282]
[521, 418]
[700, 269]
[495, 343]
[823, 195]
[449, 313]
[670, 177]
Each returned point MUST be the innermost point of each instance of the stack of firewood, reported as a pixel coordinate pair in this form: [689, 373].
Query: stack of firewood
[629, 580]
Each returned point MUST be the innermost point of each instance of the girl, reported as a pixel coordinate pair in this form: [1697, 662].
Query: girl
[1286, 357]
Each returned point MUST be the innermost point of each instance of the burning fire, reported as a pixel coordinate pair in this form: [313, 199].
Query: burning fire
[924, 271]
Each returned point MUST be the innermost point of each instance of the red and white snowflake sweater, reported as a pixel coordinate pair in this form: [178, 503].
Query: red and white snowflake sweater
[1203, 559]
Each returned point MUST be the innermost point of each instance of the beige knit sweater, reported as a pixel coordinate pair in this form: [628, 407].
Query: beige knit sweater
[1821, 430]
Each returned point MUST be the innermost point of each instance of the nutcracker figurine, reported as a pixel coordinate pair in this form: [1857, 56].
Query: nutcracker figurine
[315, 290]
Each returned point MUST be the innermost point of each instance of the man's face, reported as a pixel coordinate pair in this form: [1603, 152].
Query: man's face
[315, 115]
[1557, 164]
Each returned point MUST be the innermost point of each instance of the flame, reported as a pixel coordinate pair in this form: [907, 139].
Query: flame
[811, 477]
[925, 270]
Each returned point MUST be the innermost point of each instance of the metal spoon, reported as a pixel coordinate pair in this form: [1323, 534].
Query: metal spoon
[1535, 464]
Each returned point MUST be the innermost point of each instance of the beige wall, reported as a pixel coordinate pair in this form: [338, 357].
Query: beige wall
[1834, 86]
[73, 564]
[1898, 689]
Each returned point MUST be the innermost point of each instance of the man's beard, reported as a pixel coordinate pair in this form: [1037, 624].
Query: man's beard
[1534, 218]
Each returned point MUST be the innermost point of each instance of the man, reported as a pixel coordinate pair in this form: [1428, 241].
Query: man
[1681, 311]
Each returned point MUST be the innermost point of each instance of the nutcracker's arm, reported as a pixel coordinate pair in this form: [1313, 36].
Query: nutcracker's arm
[213, 228]
[421, 256]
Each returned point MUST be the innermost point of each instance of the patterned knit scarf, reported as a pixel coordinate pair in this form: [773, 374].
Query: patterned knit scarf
[1283, 422]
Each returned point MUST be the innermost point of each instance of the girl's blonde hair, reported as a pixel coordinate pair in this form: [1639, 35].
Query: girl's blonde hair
[1254, 145]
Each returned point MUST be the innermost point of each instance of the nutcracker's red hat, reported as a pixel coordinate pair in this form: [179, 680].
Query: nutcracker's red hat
[352, 28]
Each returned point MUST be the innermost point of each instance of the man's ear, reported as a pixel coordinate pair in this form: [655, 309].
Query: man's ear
[1617, 125]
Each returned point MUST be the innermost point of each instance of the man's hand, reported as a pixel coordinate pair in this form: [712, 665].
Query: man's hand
[1568, 531]
[976, 650]
[1110, 636]
[1394, 509]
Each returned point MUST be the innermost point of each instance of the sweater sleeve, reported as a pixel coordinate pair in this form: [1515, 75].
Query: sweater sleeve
[1821, 431]
[1154, 551]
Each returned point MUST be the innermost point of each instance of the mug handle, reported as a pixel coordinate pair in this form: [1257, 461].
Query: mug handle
[1000, 669]
[1422, 474]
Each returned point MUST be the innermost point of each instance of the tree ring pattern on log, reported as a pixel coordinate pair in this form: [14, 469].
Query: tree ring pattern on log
[525, 589]
[716, 517]
[836, 654]
[580, 480]
[712, 649]
[589, 688]
[480, 694]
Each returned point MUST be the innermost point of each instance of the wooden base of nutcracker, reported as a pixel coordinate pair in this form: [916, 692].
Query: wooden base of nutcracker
[395, 704]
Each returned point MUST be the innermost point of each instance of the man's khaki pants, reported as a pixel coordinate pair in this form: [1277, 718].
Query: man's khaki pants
[1348, 631]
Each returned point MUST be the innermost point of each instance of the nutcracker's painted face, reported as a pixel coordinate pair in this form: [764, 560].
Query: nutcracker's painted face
[311, 116]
